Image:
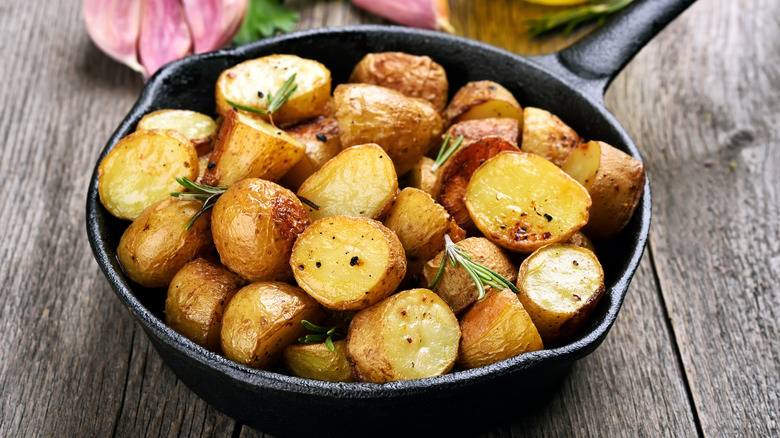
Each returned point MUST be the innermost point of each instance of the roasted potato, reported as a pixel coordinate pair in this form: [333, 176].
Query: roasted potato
[250, 82]
[544, 134]
[522, 202]
[473, 130]
[615, 181]
[197, 297]
[142, 169]
[422, 176]
[405, 127]
[348, 263]
[496, 328]
[455, 286]
[255, 223]
[580, 239]
[264, 318]
[359, 181]
[156, 245]
[251, 148]
[199, 128]
[410, 335]
[316, 361]
[321, 139]
[414, 76]
[482, 100]
[560, 285]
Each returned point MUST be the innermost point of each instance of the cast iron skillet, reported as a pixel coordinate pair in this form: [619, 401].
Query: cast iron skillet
[569, 83]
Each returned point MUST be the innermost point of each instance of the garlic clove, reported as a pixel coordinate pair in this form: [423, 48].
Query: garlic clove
[424, 14]
[164, 36]
[213, 23]
[114, 26]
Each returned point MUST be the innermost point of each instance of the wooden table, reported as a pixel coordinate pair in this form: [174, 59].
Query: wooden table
[695, 350]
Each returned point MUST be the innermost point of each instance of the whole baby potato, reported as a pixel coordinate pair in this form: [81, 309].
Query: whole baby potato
[316, 361]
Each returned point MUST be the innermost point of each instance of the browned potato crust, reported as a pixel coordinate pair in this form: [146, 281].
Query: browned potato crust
[156, 245]
[262, 319]
[496, 328]
[455, 286]
[405, 127]
[316, 361]
[255, 223]
[321, 139]
[473, 130]
[197, 297]
[199, 128]
[544, 134]
[482, 100]
[580, 239]
[414, 76]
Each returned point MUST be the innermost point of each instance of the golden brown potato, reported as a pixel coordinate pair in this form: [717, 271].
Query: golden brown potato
[321, 139]
[472, 130]
[348, 263]
[255, 223]
[496, 328]
[316, 361]
[250, 82]
[156, 245]
[199, 128]
[560, 285]
[251, 148]
[405, 127]
[522, 202]
[615, 181]
[414, 76]
[410, 335]
[455, 286]
[197, 297]
[203, 164]
[420, 224]
[359, 181]
[482, 100]
[580, 239]
[544, 134]
[264, 318]
[142, 169]
[422, 176]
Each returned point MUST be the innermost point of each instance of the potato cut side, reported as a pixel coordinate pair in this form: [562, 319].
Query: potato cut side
[249, 83]
[359, 181]
[251, 148]
[142, 169]
[422, 177]
[321, 139]
[348, 263]
[316, 361]
[262, 319]
[473, 130]
[494, 329]
[522, 202]
[410, 335]
[544, 134]
[583, 163]
[560, 285]
[199, 128]
[482, 100]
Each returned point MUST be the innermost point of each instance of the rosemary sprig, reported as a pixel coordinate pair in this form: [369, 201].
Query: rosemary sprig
[198, 192]
[275, 101]
[446, 152]
[481, 275]
[320, 334]
[569, 19]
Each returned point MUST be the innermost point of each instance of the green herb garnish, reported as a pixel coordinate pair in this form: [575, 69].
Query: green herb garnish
[264, 18]
[570, 19]
[198, 192]
[446, 152]
[321, 334]
[481, 275]
[275, 101]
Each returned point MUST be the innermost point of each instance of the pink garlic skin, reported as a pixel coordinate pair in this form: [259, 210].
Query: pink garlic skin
[213, 23]
[423, 14]
[114, 26]
[164, 36]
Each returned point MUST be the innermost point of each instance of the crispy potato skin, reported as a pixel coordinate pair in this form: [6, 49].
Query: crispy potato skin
[544, 134]
[473, 130]
[321, 139]
[414, 76]
[255, 223]
[405, 127]
[315, 361]
[496, 328]
[142, 169]
[480, 100]
[156, 245]
[455, 286]
[580, 239]
[262, 319]
[199, 128]
[196, 300]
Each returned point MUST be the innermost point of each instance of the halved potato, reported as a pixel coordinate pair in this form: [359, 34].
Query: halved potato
[359, 181]
[544, 134]
[348, 263]
[251, 148]
[482, 100]
[422, 177]
[560, 285]
[522, 202]
[472, 130]
[580, 239]
[262, 319]
[250, 82]
[410, 335]
[321, 139]
[316, 361]
[494, 329]
[142, 169]
[199, 128]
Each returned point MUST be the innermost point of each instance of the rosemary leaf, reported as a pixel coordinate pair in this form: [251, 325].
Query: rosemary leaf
[569, 19]
[275, 100]
[199, 192]
[446, 152]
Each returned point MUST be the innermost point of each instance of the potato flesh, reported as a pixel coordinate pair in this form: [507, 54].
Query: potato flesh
[199, 128]
[321, 139]
[422, 177]
[583, 163]
[544, 134]
[316, 361]
[482, 100]
[491, 109]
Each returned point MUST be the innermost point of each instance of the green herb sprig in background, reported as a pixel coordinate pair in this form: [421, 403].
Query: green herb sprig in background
[571, 18]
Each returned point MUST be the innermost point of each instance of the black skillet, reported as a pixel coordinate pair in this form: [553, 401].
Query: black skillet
[570, 83]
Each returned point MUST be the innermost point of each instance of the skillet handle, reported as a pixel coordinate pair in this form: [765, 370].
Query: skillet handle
[595, 60]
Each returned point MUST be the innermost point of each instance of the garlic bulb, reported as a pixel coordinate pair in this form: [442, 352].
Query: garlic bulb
[424, 14]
